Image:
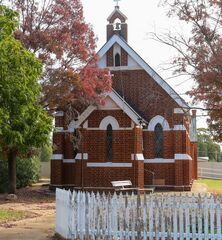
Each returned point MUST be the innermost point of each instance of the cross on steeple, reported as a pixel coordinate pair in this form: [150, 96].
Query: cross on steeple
[117, 2]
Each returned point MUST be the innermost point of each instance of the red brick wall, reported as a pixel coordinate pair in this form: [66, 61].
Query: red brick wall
[109, 58]
[122, 145]
[58, 142]
[149, 141]
[124, 57]
[144, 94]
[102, 177]
[97, 116]
[56, 172]
[161, 171]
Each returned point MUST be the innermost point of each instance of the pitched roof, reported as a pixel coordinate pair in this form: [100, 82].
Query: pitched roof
[132, 114]
[116, 11]
[159, 80]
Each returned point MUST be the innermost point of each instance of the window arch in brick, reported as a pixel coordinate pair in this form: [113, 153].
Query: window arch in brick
[158, 138]
[109, 120]
[158, 119]
[109, 143]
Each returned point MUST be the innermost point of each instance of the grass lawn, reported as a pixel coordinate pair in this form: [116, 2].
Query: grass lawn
[12, 215]
[212, 184]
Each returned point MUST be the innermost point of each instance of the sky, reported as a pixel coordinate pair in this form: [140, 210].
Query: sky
[144, 16]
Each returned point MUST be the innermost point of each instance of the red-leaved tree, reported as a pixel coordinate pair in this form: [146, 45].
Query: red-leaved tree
[200, 54]
[56, 31]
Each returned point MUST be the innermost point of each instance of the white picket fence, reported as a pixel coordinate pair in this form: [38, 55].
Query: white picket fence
[81, 215]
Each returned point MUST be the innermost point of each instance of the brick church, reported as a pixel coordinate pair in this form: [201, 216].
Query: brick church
[143, 132]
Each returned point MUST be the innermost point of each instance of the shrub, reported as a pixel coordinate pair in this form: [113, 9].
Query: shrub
[46, 153]
[28, 171]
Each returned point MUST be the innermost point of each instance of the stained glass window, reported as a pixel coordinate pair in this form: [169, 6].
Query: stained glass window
[117, 60]
[158, 141]
[109, 143]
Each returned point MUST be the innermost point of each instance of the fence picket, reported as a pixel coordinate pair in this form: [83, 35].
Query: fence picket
[187, 217]
[82, 222]
[169, 218]
[212, 217]
[93, 214]
[175, 224]
[81, 215]
[78, 213]
[138, 225]
[144, 216]
[151, 217]
[206, 223]
[181, 220]
[109, 223]
[133, 216]
[127, 205]
[103, 215]
[98, 234]
[121, 216]
[193, 216]
[163, 217]
[156, 203]
[115, 218]
[199, 217]
[87, 215]
[74, 215]
[218, 211]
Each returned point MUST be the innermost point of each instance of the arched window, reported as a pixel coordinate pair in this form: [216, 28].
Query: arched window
[109, 143]
[117, 60]
[158, 135]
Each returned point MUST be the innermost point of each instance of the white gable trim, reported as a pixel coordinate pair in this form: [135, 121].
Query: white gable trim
[119, 101]
[124, 106]
[117, 39]
[158, 119]
[109, 120]
[84, 115]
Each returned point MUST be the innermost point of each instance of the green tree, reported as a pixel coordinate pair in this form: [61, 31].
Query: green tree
[207, 147]
[24, 125]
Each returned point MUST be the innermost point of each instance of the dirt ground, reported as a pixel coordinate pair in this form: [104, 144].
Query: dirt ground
[40, 226]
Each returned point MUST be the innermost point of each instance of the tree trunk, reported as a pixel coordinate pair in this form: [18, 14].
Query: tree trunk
[12, 172]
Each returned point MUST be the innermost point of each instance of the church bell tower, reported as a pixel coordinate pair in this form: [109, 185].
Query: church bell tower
[117, 24]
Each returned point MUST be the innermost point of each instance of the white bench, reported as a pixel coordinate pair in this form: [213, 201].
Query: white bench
[120, 185]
